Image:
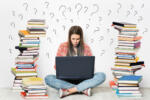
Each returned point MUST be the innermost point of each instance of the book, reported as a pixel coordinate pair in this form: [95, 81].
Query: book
[23, 94]
[25, 33]
[130, 79]
[33, 81]
[125, 24]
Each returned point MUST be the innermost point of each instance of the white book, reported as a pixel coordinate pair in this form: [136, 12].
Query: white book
[26, 54]
[128, 88]
[25, 57]
[35, 40]
[25, 44]
[30, 51]
[37, 91]
[123, 73]
[125, 47]
[125, 60]
[36, 97]
[126, 50]
[26, 74]
[17, 88]
[124, 35]
[35, 94]
[24, 60]
[129, 91]
[36, 86]
[128, 42]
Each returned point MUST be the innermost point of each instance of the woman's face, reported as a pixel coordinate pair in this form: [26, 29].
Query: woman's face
[75, 39]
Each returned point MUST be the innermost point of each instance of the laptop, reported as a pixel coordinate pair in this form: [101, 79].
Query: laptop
[75, 67]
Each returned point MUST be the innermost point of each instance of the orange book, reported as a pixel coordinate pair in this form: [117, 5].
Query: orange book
[24, 32]
[129, 39]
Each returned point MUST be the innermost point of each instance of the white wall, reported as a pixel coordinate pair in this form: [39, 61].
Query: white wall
[96, 24]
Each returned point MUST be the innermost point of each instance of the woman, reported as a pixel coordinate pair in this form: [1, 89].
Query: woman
[74, 47]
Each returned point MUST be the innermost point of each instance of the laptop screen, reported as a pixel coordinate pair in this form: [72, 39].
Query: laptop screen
[75, 67]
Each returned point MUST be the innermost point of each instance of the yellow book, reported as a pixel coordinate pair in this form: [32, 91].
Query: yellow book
[32, 81]
[14, 71]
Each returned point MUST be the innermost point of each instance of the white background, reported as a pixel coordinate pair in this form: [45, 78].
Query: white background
[94, 16]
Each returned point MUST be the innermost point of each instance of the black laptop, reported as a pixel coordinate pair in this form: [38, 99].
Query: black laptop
[75, 67]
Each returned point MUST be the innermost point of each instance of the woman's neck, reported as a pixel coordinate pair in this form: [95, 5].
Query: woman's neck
[75, 49]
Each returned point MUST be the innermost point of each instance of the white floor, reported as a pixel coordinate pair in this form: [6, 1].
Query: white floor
[98, 94]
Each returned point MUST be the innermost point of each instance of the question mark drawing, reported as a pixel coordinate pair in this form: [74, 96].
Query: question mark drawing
[12, 24]
[97, 9]
[20, 16]
[43, 13]
[69, 9]
[108, 30]
[128, 13]
[13, 13]
[80, 7]
[132, 6]
[145, 30]
[87, 26]
[35, 11]
[10, 37]
[140, 18]
[71, 20]
[135, 12]
[142, 5]
[54, 30]
[63, 11]
[100, 38]
[89, 19]
[49, 39]
[57, 20]
[109, 12]
[97, 29]
[86, 8]
[92, 40]
[64, 27]
[51, 14]
[47, 4]
[119, 7]
[10, 51]
[111, 41]
[102, 52]
[47, 54]
[26, 5]
[100, 19]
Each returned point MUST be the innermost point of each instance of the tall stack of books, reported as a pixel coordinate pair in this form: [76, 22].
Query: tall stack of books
[34, 88]
[126, 61]
[26, 61]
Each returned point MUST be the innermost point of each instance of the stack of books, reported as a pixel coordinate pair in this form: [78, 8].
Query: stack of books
[126, 61]
[34, 87]
[36, 27]
[128, 86]
[26, 61]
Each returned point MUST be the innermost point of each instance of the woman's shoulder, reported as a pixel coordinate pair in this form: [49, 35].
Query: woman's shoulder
[64, 44]
[86, 45]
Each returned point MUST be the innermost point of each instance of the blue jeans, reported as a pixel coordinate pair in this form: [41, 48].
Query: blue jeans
[98, 79]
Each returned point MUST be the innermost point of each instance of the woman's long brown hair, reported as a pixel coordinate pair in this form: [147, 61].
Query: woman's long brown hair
[80, 48]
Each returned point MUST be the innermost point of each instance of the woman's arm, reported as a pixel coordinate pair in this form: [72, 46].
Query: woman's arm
[62, 51]
[87, 50]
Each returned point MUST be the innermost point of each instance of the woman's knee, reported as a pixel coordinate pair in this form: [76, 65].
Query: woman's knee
[101, 76]
[49, 78]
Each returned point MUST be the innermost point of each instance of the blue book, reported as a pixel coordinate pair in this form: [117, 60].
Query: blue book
[130, 79]
[128, 94]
